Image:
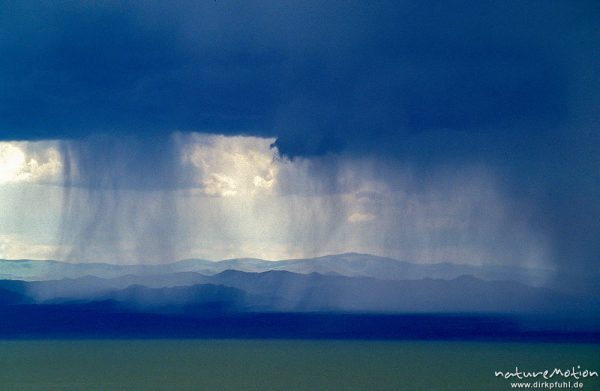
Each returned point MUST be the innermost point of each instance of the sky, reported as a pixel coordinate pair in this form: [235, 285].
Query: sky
[426, 131]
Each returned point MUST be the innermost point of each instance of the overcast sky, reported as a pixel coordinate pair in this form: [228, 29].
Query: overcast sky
[425, 131]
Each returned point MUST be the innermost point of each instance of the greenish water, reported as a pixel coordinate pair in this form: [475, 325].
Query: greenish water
[277, 365]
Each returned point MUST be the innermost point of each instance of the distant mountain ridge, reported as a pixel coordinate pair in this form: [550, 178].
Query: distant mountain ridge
[291, 292]
[281, 303]
[348, 264]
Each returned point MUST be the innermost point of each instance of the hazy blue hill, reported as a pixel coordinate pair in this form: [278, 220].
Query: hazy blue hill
[179, 299]
[365, 265]
[14, 285]
[464, 294]
[51, 270]
[287, 291]
[282, 304]
[88, 287]
[349, 265]
[10, 297]
[30, 270]
[343, 282]
[213, 267]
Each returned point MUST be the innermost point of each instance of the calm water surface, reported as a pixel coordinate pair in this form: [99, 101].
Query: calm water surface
[277, 365]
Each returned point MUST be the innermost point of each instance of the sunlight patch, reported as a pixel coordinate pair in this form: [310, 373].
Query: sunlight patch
[359, 217]
[231, 166]
[33, 162]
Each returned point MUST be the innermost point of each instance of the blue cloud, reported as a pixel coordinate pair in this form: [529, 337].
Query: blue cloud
[320, 78]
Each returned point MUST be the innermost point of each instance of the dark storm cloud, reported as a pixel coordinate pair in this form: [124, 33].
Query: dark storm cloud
[69, 70]
[512, 86]
[321, 77]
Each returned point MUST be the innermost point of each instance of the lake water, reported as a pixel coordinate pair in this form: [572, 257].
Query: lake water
[278, 364]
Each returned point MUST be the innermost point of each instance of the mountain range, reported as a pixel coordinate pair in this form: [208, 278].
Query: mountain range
[357, 284]
[348, 264]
